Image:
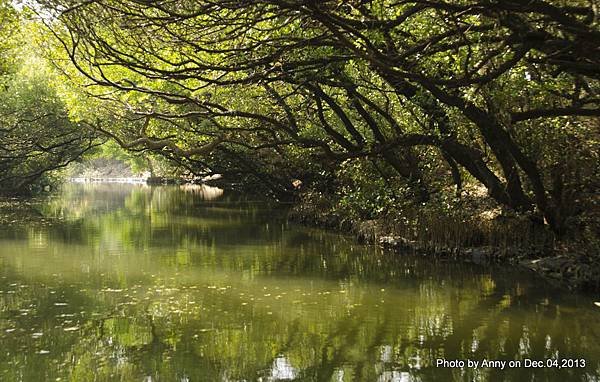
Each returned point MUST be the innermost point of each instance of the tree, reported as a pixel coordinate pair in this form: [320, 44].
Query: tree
[36, 133]
[336, 81]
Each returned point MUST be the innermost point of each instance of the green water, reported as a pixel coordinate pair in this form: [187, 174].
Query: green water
[132, 283]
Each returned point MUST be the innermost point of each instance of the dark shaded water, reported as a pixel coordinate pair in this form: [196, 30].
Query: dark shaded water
[168, 284]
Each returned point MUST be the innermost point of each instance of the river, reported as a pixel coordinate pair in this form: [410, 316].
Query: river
[136, 283]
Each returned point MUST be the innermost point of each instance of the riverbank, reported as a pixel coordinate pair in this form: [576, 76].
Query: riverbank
[483, 238]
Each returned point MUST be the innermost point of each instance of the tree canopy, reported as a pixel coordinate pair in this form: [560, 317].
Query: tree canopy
[36, 134]
[422, 96]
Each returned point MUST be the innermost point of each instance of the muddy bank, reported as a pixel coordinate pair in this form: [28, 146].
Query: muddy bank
[567, 264]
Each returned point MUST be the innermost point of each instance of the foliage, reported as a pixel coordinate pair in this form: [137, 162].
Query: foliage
[436, 94]
[8, 28]
[36, 134]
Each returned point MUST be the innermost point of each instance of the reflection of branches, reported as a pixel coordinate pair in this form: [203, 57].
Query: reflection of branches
[157, 345]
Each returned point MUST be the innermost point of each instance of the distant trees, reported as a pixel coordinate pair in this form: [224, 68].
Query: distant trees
[502, 94]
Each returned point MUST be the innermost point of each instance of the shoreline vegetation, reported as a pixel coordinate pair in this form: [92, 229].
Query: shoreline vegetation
[485, 240]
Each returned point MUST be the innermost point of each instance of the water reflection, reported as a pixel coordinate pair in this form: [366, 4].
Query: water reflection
[139, 283]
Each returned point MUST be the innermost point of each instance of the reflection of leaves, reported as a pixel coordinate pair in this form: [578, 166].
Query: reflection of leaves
[128, 331]
[23, 212]
[255, 300]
